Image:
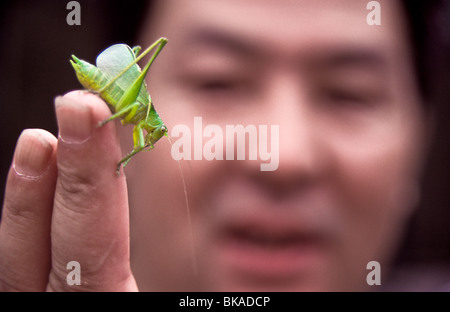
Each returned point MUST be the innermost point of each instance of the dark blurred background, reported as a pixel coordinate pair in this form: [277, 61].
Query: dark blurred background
[35, 46]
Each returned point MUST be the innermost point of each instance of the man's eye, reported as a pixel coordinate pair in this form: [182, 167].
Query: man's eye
[216, 85]
[220, 86]
[346, 97]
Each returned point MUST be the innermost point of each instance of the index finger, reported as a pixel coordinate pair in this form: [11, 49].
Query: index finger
[90, 217]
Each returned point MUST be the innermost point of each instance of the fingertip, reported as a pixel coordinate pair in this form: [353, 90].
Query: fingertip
[99, 107]
[83, 147]
[74, 120]
[34, 151]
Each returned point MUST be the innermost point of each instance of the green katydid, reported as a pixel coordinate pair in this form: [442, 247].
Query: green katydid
[119, 81]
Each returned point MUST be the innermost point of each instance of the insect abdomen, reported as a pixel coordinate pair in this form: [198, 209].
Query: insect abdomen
[94, 80]
[89, 76]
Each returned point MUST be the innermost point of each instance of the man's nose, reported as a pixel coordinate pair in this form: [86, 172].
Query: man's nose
[302, 147]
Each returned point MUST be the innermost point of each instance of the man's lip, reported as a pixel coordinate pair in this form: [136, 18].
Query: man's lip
[272, 247]
[255, 234]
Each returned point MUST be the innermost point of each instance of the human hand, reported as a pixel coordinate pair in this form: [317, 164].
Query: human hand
[64, 202]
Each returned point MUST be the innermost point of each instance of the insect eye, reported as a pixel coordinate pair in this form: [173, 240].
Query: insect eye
[164, 129]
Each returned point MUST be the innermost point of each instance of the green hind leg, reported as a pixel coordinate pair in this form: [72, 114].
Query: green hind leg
[130, 111]
[139, 145]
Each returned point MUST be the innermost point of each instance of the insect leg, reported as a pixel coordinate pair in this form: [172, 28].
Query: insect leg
[136, 50]
[130, 111]
[161, 42]
[138, 136]
[133, 90]
[139, 145]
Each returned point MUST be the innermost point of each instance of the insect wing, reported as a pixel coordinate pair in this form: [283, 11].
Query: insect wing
[114, 60]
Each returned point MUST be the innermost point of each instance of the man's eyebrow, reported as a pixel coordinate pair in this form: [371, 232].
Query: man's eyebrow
[356, 57]
[223, 40]
[352, 55]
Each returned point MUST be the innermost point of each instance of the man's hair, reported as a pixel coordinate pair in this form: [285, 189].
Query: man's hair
[429, 35]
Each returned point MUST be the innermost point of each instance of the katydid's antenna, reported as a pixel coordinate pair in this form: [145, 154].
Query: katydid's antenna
[191, 235]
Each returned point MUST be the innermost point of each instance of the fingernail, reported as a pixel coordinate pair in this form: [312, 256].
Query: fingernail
[32, 154]
[74, 121]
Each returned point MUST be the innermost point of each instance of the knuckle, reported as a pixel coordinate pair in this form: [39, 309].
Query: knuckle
[75, 194]
[18, 213]
[19, 202]
[74, 185]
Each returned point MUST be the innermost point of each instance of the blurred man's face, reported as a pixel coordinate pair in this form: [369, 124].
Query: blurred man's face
[350, 143]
